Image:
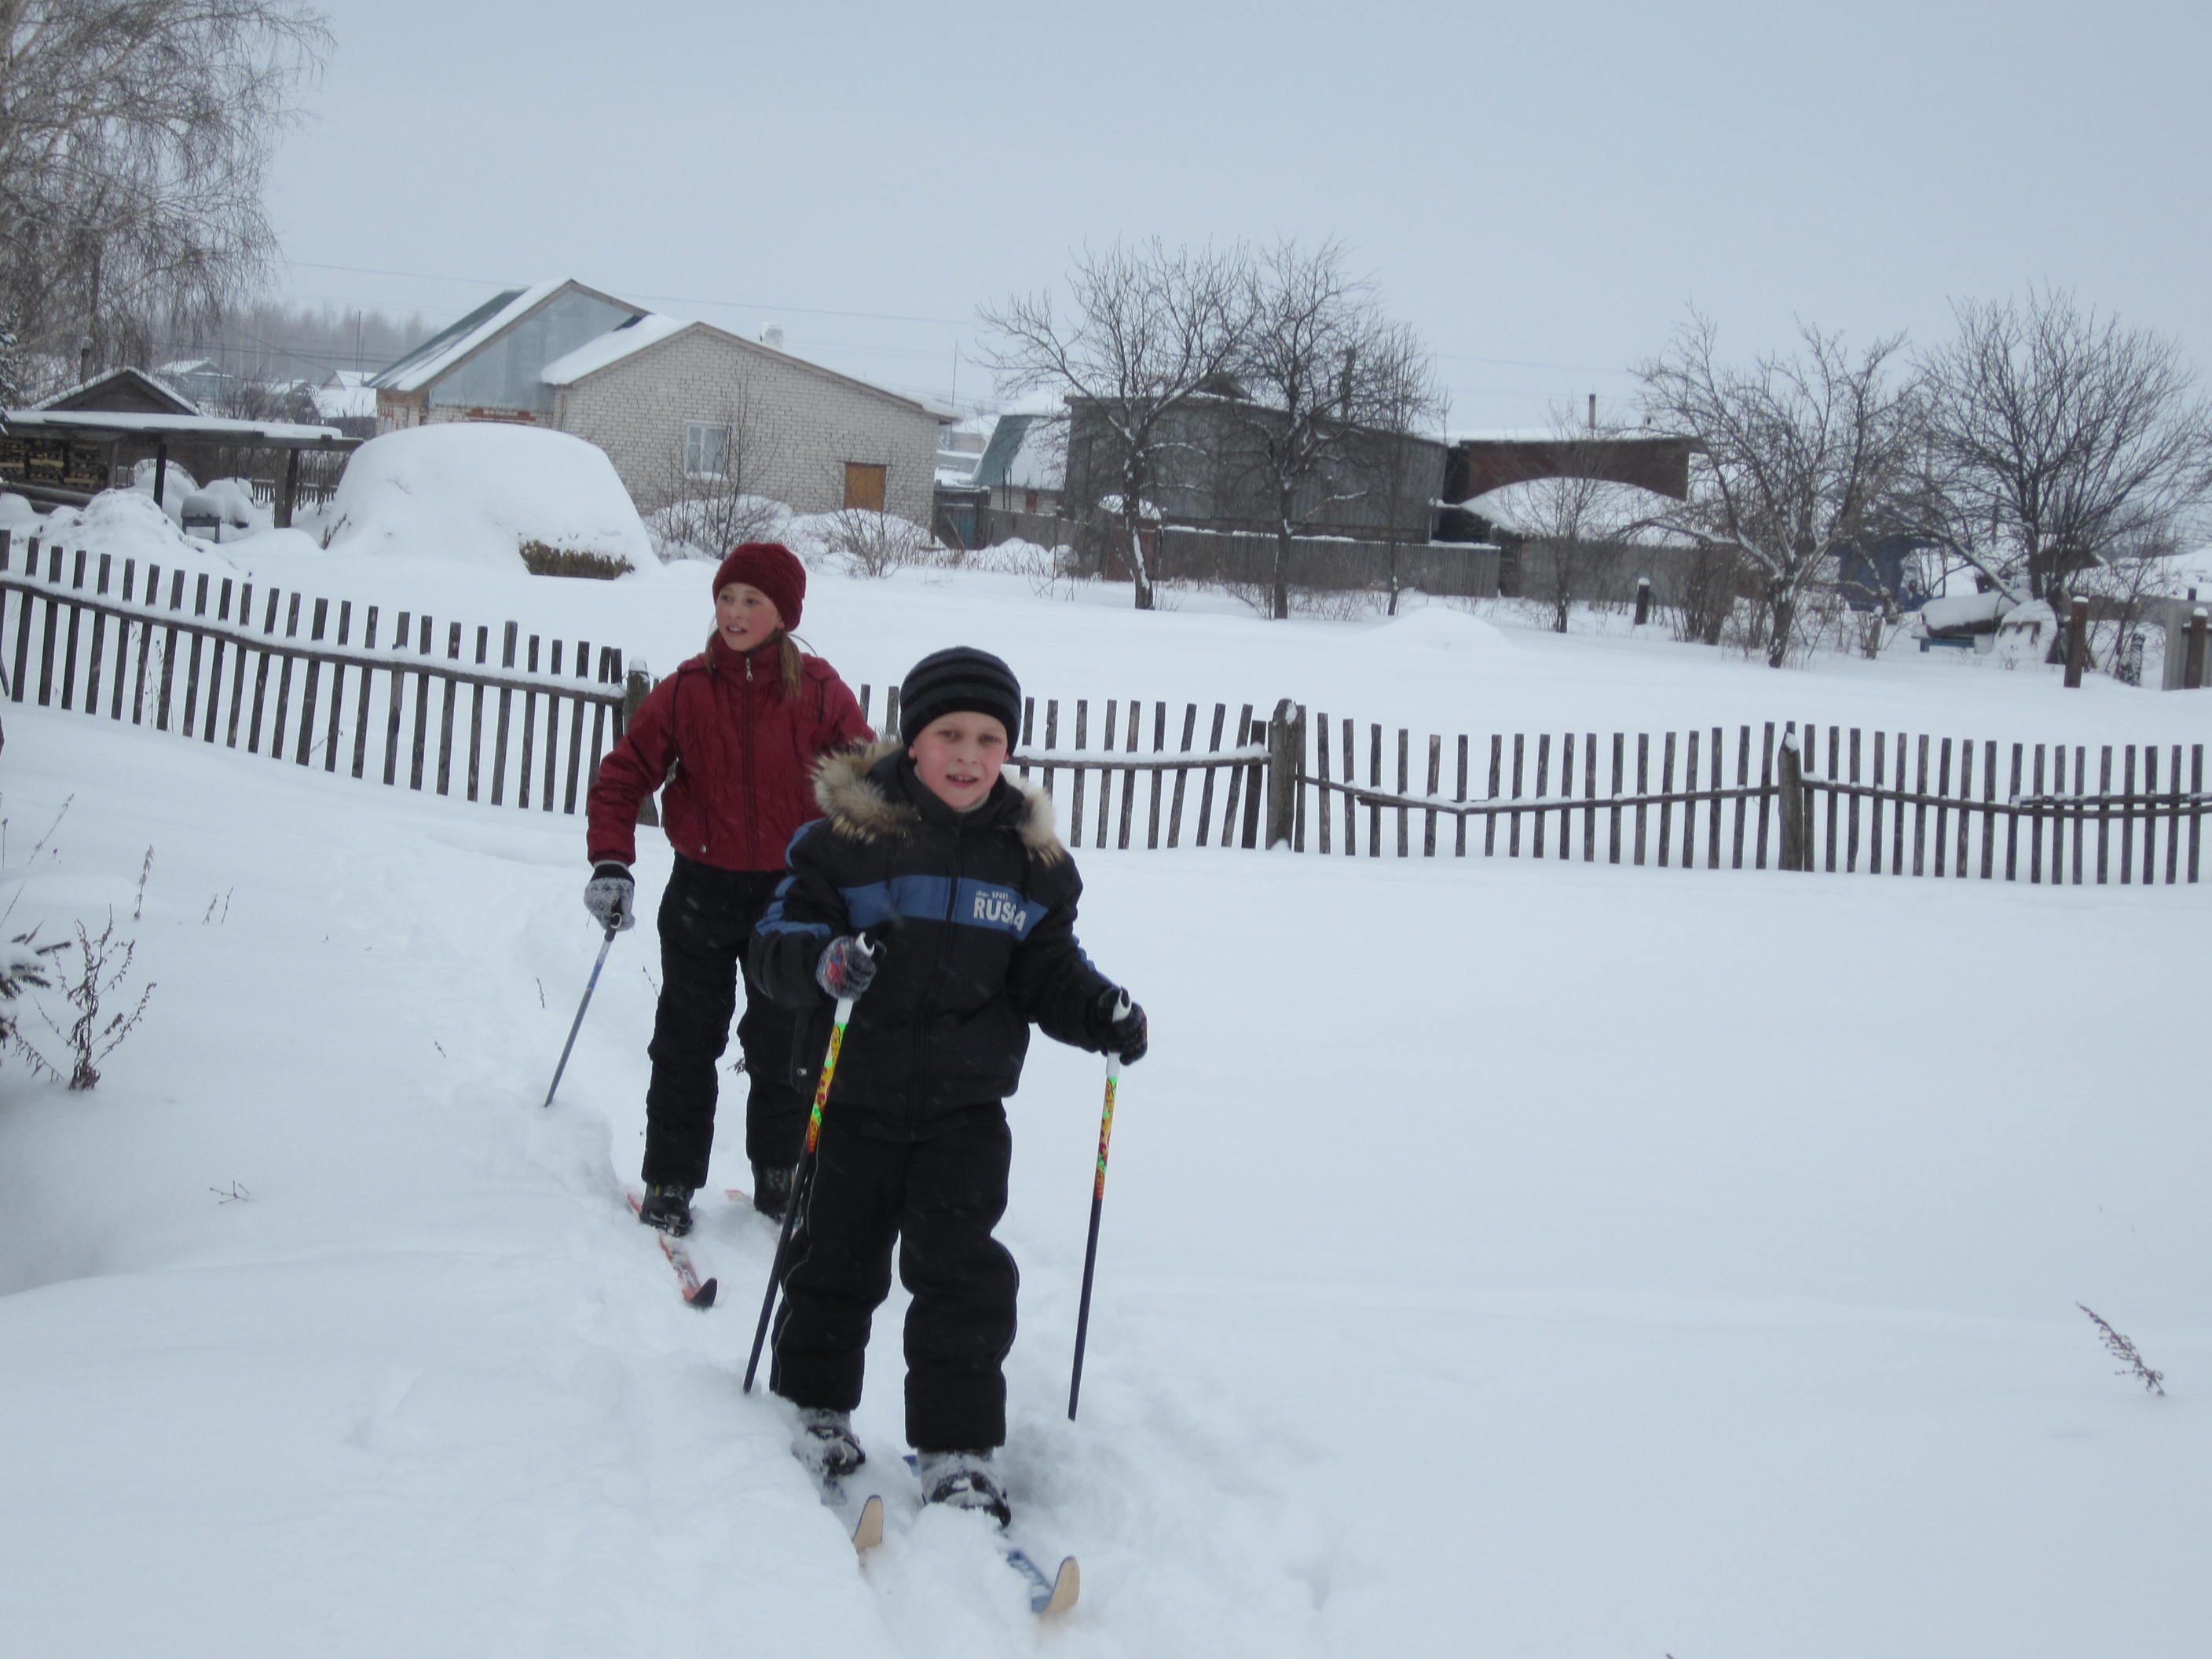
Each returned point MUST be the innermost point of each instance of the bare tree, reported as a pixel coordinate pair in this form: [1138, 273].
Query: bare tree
[134, 136]
[1332, 389]
[13, 383]
[1798, 451]
[1151, 329]
[1578, 521]
[2054, 435]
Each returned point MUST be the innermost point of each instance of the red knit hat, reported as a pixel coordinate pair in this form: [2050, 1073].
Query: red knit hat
[772, 568]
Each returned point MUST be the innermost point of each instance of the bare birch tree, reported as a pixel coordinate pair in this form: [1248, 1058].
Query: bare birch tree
[1333, 387]
[134, 139]
[2054, 436]
[1149, 330]
[1798, 451]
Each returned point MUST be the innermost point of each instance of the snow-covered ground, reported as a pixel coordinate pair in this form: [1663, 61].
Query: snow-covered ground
[1499, 1258]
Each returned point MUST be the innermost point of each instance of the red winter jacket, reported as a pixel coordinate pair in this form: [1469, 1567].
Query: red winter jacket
[742, 758]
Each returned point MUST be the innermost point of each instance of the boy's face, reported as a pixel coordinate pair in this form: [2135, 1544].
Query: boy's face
[744, 615]
[957, 757]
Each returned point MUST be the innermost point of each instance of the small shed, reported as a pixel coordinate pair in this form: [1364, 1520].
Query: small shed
[35, 438]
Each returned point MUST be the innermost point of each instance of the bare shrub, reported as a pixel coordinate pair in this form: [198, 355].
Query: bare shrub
[23, 966]
[876, 543]
[2153, 1381]
[103, 962]
[541, 560]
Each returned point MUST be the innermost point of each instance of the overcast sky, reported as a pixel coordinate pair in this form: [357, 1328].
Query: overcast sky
[1540, 190]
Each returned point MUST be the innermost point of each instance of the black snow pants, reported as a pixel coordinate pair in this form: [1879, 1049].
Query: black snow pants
[939, 1196]
[706, 919]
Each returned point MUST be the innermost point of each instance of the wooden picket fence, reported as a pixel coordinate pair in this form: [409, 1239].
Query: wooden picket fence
[1834, 800]
[1225, 809]
[91, 631]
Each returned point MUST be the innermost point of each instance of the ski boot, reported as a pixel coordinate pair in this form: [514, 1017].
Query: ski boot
[825, 1444]
[771, 1190]
[963, 1480]
[668, 1208]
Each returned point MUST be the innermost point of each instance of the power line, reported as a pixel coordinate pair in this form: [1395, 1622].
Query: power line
[659, 298]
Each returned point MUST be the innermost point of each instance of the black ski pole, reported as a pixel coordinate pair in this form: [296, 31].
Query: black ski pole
[592, 985]
[1097, 1207]
[802, 1177]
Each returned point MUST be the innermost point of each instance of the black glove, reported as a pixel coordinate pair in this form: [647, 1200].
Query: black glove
[847, 966]
[611, 896]
[1120, 1025]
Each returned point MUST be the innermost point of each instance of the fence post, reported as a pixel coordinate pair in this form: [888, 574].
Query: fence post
[1792, 786]
[2193, 668]
[1643, 600]
[2077, 643]
[634, 686]
[1286, 747]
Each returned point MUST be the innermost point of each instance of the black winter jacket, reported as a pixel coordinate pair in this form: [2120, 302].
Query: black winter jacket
[979, 908]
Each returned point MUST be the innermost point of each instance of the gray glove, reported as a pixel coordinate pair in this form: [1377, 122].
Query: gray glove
[847, 966]
[611, 896]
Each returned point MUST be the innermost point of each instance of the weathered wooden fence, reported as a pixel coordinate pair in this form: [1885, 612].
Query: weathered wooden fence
[1099, 788]
[1811, 798]
[89, 631]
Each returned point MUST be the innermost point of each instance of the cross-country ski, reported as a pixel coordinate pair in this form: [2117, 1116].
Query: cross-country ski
[697, 1289]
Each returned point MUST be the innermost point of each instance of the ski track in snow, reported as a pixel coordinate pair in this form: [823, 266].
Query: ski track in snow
[1498, 1257]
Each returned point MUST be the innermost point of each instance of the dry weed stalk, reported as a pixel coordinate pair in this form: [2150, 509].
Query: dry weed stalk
[2153, 1381]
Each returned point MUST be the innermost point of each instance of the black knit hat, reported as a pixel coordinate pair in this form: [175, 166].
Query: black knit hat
[961, 678]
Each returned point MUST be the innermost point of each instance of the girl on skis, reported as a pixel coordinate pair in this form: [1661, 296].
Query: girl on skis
[734, 733]
[958, 872]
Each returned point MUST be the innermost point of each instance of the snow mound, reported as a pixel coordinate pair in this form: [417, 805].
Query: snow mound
[477, 493]
[1968, 610]
[124, 523]
[1439, 628]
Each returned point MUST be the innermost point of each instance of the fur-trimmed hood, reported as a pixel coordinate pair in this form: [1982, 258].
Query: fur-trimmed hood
[853, 797]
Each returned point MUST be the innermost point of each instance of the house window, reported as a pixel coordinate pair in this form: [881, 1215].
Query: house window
[863, 485]
[706, 450]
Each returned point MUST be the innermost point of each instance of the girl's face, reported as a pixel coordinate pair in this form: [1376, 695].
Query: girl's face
[957, 758]
[744, 616]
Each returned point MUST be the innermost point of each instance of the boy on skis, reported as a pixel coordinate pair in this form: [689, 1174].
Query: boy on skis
[959, 880]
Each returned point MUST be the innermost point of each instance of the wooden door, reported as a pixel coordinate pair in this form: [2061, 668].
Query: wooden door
[863, 485]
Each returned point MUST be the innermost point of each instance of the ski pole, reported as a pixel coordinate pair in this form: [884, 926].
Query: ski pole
[802, 1177]
[1097, 1205]
[578, 1025]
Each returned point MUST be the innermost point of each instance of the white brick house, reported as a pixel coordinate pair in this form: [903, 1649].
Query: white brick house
[680, 408]
[675, 404]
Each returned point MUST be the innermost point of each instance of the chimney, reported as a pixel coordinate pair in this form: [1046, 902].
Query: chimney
[1593, 411]
[772, 336]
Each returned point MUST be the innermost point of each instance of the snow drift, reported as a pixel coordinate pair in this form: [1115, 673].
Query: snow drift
[478, 493]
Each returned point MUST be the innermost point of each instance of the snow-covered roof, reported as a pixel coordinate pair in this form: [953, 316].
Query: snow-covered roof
[344, 402]
[1026, 452]
[160, 389]
[612, 347]
[442, 351]
[1535, 506]
[618, 344]
[1552, 435]
[197, 426]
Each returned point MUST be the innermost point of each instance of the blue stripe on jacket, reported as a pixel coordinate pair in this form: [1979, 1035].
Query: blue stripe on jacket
[970, 903]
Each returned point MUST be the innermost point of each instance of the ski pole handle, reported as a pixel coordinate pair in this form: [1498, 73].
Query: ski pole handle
[577, 1024]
